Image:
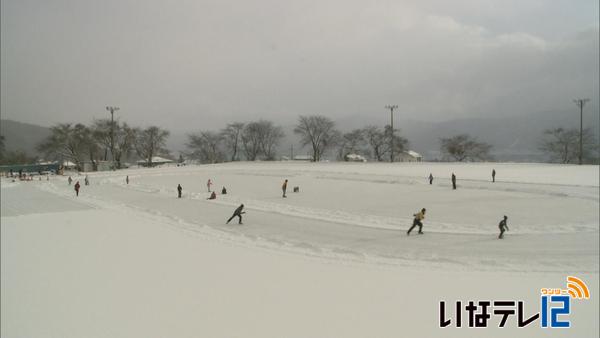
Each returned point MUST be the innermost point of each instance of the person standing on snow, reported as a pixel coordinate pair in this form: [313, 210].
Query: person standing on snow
[453, 181]
[87, 181]
[77, 186]
[179, 189]
[430, 178]
[503, 227]
[70, 180]
[238, 212]
[208, 184]
[284, 187]
[493, 175]
[417, 221]
[127, 179]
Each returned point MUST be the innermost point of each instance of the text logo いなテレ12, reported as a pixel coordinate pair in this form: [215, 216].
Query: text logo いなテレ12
[555, 308]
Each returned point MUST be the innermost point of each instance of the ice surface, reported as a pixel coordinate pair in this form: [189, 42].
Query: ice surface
[333, 260]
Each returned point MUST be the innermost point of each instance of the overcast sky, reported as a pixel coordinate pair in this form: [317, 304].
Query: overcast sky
[189, 65]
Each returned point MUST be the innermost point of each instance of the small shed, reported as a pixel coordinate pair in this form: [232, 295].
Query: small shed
[410, 156]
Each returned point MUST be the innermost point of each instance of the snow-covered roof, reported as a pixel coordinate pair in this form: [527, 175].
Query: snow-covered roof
[68, 164]
[413, 153]
[356, 157]
[157, 159]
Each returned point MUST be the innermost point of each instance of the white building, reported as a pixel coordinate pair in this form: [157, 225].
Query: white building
[410, 156]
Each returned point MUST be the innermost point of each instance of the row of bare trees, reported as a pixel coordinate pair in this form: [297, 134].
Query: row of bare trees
[79, 143]
[258, 140]
[253, 141]
[562, 145]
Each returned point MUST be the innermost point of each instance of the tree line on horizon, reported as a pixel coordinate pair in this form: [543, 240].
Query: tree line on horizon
[104, 140]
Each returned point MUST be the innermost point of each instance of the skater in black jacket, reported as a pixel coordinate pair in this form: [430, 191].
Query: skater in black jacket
[453, 181]
[503, 227]
[238, 212]
[179, 189]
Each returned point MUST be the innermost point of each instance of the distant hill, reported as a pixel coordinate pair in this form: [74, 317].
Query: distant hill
[22, 136]
[514, 137]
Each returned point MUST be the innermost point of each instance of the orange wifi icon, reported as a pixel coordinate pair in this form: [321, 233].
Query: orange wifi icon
[577, 288]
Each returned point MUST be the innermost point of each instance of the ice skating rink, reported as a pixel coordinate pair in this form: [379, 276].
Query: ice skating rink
[334, 260]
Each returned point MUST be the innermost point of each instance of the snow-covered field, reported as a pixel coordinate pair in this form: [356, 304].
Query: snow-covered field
[334, 260]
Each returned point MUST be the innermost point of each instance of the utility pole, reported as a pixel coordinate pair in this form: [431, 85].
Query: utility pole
[391, 108]
[580, 103]
[292, 152]
[112, 111]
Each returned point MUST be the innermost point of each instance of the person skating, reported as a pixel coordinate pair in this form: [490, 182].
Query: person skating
[87, 181]
[179, 189]
[77, 186]
[284, 187]
[127, 179]
[417, 221]
[503, 227]
[430, 178]
[493, 175]
[213, 196]
[453, 181]
[238, 212]
[208, 184]
[223, 191]
[70, 180]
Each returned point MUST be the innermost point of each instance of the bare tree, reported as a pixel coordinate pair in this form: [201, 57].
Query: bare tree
[2, 148]
[231, 138]
[562, 145]
[205, 146]
[270, 136]
[464, 147]
[317, 131]
[66, 142]
[119, 138]
[377, 141]
[150, 142]
[351, 143]
[251, 140]
[400, 143]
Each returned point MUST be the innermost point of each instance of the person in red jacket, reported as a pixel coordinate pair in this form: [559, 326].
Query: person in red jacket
[77, 186]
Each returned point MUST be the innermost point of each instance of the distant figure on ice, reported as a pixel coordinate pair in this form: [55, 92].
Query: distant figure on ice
[127, 179]
[503, 227]
[493, 175]
[213, 196]
[77, 186]
[430, 178]
[223, 191]
[417, 221]
[87, 181]
[179, 189]
[70, 180]
[208, 184]
[238, 212]
[453, 181]
[284, 187]
[47, 177]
